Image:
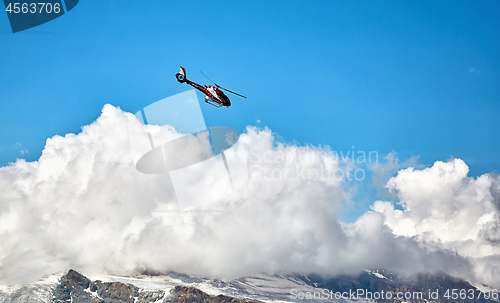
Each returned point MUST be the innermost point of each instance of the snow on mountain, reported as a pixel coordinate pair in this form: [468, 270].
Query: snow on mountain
[265, 288]
[38, 292]
[376, 274]
[294, 288]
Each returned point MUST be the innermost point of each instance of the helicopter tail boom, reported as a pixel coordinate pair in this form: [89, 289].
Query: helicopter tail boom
[181, 77]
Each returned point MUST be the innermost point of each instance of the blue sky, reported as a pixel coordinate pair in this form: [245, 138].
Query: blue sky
[421, 78]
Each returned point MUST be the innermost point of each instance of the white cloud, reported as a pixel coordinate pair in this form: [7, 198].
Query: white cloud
[383, 171]
[441, 205]
[473, 70]
[17, 146]
[83, 205]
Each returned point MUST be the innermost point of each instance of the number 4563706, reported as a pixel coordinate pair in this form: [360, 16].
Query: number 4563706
[33, 8]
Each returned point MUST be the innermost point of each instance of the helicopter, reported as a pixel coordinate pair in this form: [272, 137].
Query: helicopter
[214, 94]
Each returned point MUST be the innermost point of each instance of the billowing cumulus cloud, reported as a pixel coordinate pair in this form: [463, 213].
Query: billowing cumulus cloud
[83, 205]
[442, 206]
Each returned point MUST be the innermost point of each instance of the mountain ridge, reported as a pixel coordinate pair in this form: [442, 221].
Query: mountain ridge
[174, 287]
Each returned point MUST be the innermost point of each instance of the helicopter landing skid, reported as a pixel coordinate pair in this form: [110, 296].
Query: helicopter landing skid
[211, 102]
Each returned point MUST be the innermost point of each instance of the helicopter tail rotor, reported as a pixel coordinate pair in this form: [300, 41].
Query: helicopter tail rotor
[181, 76]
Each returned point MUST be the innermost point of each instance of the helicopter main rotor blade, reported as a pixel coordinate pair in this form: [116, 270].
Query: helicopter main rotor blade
[232, 92]
[222, 87]
[209, 79]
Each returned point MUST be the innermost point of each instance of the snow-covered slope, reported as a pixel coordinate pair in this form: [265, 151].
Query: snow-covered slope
[172, 287]
[266, 288]
[38, 292]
